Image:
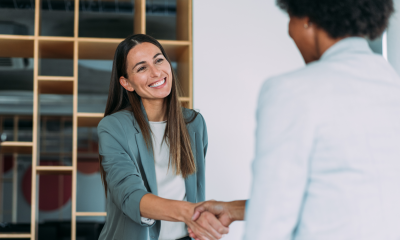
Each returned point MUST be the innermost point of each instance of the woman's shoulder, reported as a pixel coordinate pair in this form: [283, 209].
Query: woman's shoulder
[194, 119]
[120, 119]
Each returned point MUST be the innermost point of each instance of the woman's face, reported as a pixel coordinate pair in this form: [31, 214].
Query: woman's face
[303, 34]
[149, 72]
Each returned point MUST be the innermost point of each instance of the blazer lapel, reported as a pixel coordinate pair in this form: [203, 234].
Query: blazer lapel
[146, 157]
[190, 181]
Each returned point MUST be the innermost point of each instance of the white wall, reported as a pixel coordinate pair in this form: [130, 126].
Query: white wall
[237, 45]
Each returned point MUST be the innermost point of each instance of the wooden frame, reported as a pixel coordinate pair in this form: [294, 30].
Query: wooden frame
[76, 47]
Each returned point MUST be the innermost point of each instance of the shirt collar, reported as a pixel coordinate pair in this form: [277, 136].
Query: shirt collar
[347, 45]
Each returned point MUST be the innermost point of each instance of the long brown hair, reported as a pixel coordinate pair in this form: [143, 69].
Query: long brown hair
[176, 134]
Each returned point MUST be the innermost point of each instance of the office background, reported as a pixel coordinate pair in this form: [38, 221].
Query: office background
[236, 46]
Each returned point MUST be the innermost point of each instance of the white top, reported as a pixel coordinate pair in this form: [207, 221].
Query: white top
[327, 162]
[169, 185]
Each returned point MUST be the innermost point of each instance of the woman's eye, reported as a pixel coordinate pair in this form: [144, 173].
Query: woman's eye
[140, 69]
[159, 60]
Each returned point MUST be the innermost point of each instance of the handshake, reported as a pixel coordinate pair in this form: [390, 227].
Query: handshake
[211, 219]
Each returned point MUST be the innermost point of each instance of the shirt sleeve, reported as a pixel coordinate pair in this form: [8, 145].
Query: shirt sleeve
[125, 185]
[284, 141]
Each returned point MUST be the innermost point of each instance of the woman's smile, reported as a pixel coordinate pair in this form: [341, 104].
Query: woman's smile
[159, 83]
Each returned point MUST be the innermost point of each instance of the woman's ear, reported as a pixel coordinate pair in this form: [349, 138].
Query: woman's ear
[125, 84]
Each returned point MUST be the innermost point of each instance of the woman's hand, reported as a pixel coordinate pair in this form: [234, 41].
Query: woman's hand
[207, 226]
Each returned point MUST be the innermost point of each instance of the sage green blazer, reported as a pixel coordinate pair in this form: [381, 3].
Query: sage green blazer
[130, 173]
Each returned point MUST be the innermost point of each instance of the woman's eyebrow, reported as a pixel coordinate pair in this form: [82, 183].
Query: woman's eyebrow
[145, 61]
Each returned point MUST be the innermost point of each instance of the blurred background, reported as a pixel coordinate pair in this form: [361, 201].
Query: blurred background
[55, 68]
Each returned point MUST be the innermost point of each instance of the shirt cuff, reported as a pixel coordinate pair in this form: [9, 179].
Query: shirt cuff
[147, 221]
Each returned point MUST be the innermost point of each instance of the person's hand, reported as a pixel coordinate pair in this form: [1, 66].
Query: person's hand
[226, 212]
[206, 226]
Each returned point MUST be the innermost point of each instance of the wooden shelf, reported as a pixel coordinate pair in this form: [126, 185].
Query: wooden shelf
[95, 48]
[15, 235]
[56, 85]
[54, 57]
[175, 49]
[16, 46]
[54, 170]
[16, 147]
[90, 214]
[56, 39]
[89, 119]
[56, 47]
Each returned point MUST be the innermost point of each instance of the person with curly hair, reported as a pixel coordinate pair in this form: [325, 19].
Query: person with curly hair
[327, 158]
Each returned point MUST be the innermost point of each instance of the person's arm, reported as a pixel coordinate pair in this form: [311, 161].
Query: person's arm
[127, 190]
[284, 142]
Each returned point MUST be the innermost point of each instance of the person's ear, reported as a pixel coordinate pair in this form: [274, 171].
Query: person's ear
[307, 23]
[125, 84]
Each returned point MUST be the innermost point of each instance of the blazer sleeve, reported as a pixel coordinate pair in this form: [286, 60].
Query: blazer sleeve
[125, 185]
[205, 136]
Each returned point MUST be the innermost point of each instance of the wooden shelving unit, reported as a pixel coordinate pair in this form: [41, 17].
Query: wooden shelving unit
[76, 48]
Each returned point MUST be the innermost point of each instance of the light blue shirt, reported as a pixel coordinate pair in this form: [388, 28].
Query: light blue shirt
[327, 163]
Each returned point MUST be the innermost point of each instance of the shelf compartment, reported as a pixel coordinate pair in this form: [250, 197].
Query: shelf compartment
[93, 84]
[56, 56]
[17, 128]
[54, 170]
[16, 147]
[102, 49]
[107, 19]
[17, 18]
[168, 21]
[57, 18]
[56, 131]
[56, 85]
[16, 46]
[15, 235]
[89, 119]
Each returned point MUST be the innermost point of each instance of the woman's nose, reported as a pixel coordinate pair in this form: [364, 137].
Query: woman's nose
[155, 72]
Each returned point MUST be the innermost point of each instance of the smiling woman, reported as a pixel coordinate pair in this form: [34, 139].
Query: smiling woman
[152, 151]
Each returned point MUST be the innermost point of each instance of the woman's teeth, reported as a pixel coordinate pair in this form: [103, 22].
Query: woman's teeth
[159, 83]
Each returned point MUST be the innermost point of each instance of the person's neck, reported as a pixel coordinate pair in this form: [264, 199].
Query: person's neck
[323, 42]
[155, 109]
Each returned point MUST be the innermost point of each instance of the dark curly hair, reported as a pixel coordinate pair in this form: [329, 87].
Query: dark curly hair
[341, 18]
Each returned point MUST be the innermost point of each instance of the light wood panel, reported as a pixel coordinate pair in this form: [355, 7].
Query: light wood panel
[76, 48]
[89, 119]
[15, 235]
[16, 46]
[104, 49]
[54, 170]
[95, 48]
[184, 20]
[16, 147]
[55, 85]
[140, 16]
[91, 214]
[56, 47]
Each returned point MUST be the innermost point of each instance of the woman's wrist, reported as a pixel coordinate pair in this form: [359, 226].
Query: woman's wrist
[186, 211]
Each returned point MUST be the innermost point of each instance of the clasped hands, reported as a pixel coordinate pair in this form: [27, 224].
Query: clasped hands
[212, 219]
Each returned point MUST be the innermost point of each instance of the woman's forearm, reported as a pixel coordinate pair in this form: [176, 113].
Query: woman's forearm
[154, 207]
